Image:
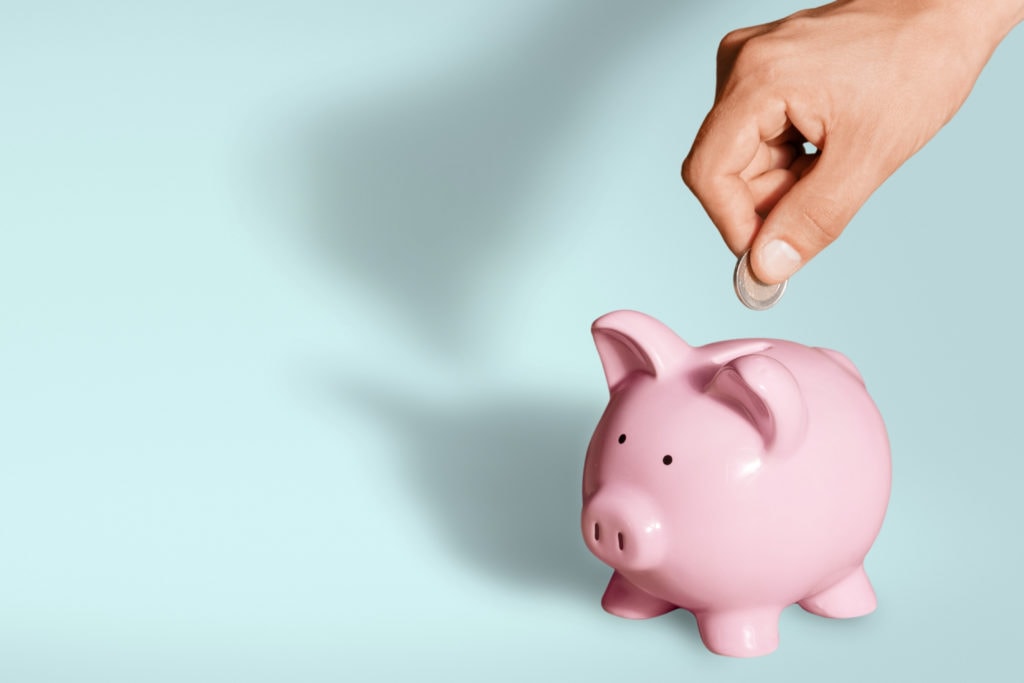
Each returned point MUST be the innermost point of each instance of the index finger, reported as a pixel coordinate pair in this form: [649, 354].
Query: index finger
[725, 145]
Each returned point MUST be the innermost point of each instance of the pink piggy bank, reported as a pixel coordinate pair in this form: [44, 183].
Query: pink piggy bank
[732, 480]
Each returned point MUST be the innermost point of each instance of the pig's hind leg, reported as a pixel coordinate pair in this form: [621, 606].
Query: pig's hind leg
[851, 596]
[623, 599]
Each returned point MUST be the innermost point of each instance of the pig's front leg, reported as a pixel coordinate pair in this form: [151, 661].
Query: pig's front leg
[741, 633]
[623, 599]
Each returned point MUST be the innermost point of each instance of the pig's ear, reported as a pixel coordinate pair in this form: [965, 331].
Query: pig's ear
[629, 342]
[768, 394]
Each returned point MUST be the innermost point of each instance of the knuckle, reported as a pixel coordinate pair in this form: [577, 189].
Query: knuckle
[688, 173]
[733, 40]
[755, 54]
[730, 41]
[696, 174]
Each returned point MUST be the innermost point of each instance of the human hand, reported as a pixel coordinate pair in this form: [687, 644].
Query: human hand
[867, 82]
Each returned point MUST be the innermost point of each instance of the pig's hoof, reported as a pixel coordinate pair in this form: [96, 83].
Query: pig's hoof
[623, 599]
[749, 633]
[852, 596]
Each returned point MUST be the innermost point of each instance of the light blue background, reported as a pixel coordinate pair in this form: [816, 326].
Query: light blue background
[295, 365]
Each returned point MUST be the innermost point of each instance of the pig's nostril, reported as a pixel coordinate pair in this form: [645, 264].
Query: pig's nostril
[622, 542]
[597, 532]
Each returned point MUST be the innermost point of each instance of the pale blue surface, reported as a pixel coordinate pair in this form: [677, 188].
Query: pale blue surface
[295, 369]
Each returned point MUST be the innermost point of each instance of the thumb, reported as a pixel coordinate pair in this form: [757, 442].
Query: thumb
[813, 213]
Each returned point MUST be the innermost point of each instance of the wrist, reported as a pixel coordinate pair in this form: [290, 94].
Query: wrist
[990, 20]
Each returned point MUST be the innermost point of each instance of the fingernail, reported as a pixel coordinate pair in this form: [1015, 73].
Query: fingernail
[778, 261]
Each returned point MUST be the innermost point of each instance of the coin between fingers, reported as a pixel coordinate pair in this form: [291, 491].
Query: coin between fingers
[753, 293]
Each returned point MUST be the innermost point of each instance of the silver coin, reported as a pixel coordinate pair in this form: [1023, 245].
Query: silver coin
[753, 293]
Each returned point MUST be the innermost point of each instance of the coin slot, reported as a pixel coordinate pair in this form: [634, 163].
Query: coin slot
[621, 542]
[597, 532]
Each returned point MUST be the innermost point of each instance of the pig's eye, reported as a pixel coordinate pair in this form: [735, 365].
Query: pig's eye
[667, 460]
[622, 438]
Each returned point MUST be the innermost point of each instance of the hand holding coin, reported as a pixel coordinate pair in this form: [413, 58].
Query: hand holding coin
[818, 76]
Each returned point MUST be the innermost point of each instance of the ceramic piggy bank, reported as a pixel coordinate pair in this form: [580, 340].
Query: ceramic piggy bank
[732, 480]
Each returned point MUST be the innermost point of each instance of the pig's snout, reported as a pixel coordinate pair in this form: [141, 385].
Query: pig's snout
[623, 529]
